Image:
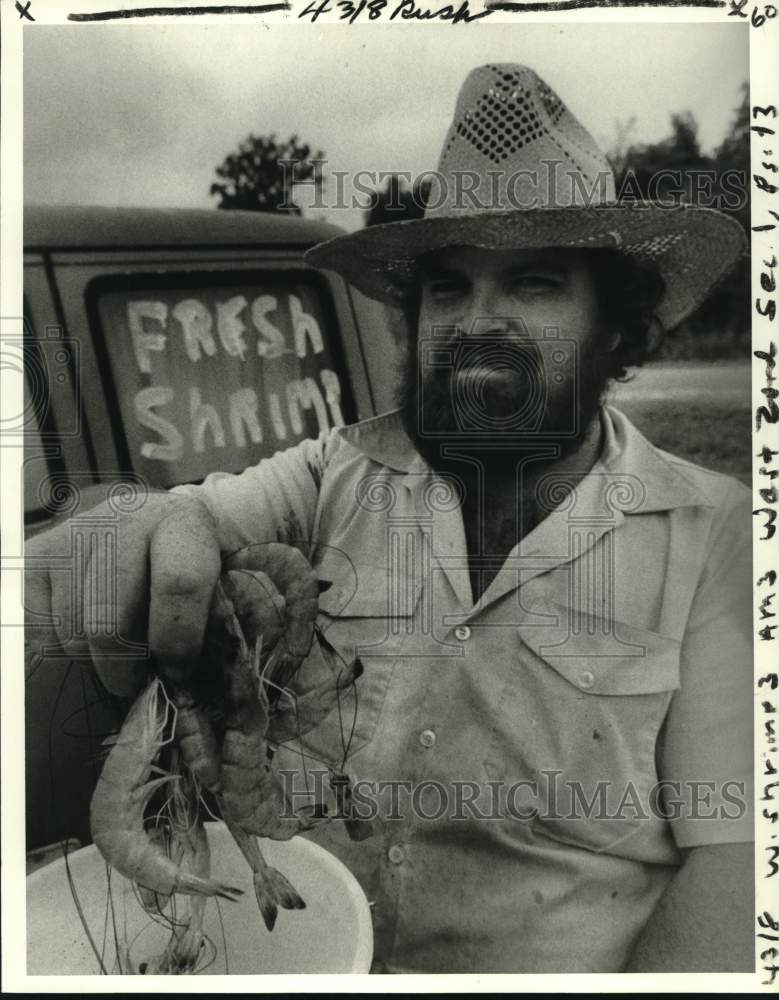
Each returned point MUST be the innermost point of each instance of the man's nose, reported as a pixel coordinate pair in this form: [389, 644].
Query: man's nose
[488, 325]
[490, 313]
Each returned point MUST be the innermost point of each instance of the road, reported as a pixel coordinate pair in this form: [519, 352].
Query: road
[724, 383]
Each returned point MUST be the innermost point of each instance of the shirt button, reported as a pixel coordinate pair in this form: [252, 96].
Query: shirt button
[462, 632]
[427, 738]
[396, 854]
[586, 680]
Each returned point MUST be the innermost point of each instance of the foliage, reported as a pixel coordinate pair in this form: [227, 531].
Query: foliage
[395, 201]
[719, 328]
[260, 175]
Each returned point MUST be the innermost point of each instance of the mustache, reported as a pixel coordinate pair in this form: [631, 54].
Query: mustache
[450, 386]
[478, 361]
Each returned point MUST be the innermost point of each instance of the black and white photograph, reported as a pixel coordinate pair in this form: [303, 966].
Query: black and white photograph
[388, 542]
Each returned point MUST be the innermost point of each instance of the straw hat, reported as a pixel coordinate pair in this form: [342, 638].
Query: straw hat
[518, 170]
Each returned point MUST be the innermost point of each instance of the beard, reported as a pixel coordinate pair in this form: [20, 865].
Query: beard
[526, 397]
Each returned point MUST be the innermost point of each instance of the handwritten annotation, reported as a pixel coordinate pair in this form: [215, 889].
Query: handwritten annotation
[404, 10]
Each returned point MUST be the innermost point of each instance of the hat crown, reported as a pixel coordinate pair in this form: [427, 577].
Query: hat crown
[512, 144]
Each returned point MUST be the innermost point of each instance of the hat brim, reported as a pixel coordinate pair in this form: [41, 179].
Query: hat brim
[691, 247]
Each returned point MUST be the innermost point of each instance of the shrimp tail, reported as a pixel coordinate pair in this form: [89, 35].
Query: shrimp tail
[273, 891]
[270, 887]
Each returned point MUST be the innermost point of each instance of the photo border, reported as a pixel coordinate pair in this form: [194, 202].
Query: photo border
[764, 93]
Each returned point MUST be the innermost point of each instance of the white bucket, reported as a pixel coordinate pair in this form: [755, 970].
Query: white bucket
[333, 934]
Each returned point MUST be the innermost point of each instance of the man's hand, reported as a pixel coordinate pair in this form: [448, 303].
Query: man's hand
[703, 922]
[88, 599]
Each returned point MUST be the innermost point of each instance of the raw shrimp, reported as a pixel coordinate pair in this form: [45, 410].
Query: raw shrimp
[260, 608]
[196, 738]
[120, 798]
[297, 583]
[249, 794]
[296, 714]
[251, 798]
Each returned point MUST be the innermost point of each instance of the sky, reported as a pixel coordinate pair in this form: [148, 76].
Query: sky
[142, 115]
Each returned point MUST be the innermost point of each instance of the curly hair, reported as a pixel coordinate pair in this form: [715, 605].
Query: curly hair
[628, 294]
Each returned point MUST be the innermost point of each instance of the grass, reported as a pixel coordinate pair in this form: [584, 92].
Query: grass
[717, 437]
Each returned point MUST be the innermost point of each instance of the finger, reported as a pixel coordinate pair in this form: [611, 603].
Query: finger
[66, 590]
[53, 638]
[114, 602]
[45, 556]
[40, 631]
[185, 564]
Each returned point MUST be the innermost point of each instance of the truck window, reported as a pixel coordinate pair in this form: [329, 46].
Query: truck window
[214, 371]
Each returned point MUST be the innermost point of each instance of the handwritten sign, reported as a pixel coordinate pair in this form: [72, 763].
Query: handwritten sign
[216, 378]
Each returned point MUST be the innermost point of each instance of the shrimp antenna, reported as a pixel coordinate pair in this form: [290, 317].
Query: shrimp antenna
[283, 691]
[166, 720]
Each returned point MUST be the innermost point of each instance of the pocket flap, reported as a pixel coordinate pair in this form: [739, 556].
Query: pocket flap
[363, 590]
[607, 657]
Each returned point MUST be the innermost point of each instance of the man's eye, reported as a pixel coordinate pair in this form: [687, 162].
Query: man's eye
[442, 287]
[537, 282]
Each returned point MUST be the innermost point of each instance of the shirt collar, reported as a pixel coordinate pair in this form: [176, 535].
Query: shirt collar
[383, 439]
[659, 477]
[657, 480]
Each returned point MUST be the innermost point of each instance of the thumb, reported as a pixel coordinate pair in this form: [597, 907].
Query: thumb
[185, 565]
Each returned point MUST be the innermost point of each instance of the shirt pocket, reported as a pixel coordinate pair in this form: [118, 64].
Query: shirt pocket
[359, 616]
[578, 724]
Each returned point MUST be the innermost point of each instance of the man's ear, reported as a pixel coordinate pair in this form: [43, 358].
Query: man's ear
[615, 339]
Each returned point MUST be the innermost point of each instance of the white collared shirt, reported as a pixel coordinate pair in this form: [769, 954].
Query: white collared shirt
[611, 652]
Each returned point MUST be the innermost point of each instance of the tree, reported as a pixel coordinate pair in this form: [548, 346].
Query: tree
[395, 201]
[260, 175]
[618, 153]
[734, 148]
[732, 155]
[675, 169]
[638, 169]
[730, 305]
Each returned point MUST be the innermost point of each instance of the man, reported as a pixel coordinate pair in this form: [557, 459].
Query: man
[549, 748]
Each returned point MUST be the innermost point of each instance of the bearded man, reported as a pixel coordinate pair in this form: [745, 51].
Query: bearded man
[549, 747]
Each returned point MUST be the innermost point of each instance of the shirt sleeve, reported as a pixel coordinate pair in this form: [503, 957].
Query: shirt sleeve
[275, 500]
[708, 733]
